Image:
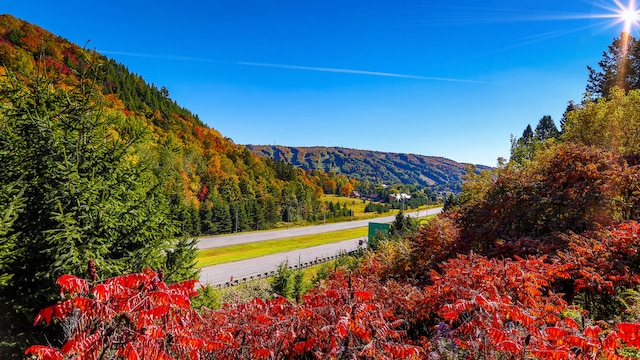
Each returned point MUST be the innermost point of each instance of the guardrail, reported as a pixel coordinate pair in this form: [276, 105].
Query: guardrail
[299, 266]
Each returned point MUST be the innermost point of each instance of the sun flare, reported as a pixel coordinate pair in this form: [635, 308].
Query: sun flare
[629, 15]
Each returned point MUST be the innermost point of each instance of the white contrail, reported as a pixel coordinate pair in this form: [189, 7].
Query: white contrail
[353, 71]
[166, 57]
[298, 67]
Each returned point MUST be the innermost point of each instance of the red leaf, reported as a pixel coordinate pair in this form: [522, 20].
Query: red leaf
[483, 302]
[577, 341]
[261, 353]
[131, 281]
[629, 333]
[44, 314]
[363, 295]
[81, 345]
[187, 288]
[362, 333]
[509, 346]
[497, 335]
[303, 347]
[101, 292]
[342, 326]
[73, 285]
[592, 332]
[570, 323]
[44, 352]
[555, 333]
[551, 354]
[610, 342]
[189, 342]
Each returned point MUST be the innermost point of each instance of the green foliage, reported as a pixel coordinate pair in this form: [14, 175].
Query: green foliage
[208, 298]
[281, 283]
[619, 68]
[323, 272]
[475, 186]
[11, 204]
[451, 201]
[369, 166]
[546, 129]
[403, 225]
[376, 207]
[375, 241]
[611, 124]
[288, 282]
[88, 194]
[630, 302]
[524, 148]
[299, 286]
[180, 259]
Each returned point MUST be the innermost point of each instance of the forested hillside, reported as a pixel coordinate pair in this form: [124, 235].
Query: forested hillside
[100, 166]
[209, 177]
[372, 166]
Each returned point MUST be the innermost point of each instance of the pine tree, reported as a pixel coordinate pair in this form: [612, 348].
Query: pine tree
[527, 134]
[546, 129]
[206, 218]
[87, 194]
[620, 66]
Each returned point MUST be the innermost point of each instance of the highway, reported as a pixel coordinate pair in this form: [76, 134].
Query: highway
[245, 269]
[209, 242]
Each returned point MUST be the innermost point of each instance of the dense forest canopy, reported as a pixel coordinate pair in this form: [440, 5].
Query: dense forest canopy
[374, 167]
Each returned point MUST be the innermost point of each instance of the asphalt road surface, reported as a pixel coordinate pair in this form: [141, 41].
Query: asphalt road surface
[209, 242]
[244, 269]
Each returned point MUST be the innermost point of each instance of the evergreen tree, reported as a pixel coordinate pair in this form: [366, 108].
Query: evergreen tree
[570, 107]
[402, 225]
[11, 204]
[206, 218]
[222, 216]
[523, 149]
[527, 134]
[196, 227]
[87, 194]
[450, 202]
[546, 129]
[620, 66]
[281, 283]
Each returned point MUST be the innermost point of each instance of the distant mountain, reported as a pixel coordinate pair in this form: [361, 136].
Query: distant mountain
[372, 166]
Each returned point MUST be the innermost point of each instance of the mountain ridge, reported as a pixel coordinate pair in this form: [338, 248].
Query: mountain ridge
[370, 165]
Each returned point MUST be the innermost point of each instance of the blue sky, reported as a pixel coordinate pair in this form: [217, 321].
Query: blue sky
[442, 78]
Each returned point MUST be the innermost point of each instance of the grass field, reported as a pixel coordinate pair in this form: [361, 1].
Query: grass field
[256, 249]
[356, 205]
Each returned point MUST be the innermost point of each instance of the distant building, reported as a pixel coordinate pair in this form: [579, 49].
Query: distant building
[372, 197]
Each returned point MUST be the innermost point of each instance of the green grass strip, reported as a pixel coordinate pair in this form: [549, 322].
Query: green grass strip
[261, 248]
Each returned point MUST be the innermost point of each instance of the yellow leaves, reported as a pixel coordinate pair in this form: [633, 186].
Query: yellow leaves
[610, 124]
[114, 102]
[132, 159]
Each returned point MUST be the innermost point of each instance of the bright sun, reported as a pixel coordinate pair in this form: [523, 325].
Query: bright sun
[630, 15]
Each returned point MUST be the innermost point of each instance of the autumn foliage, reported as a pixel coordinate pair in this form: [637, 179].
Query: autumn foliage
[473, 307]
[137, 316]
[540, 261]
[558, 289]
